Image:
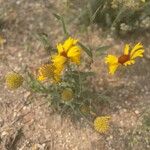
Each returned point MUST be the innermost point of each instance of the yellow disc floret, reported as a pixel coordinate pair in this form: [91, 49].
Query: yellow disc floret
[67, 95]
[13, 80]
[101, 124]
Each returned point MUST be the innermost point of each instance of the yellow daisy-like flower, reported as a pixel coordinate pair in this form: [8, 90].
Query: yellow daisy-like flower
[68, 51]
[48, 72]
[67, 95]
[101, 124]
[127, 58]
[13, 80]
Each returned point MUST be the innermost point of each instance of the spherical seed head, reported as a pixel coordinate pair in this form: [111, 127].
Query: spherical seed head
[67, 95]
[13, 80]
[85, 109]
[101, 124]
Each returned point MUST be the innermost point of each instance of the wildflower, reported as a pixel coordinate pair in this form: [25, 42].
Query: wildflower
[68, 51]
[48, 71]
[13, 80]
[67, 95]
[101, 124]
[128, 58]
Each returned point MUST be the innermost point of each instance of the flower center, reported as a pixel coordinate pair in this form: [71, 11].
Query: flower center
[64, 54]
[124, 58]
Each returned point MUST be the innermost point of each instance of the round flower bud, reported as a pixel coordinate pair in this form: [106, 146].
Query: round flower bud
[67, 95]
[13, 80]
[85, 109]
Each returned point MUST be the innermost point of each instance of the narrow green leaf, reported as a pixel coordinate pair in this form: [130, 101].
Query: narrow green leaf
[87, 50]
[64, 27]
[43, 38]
[63, 23]
[103, 48]
[57, 16]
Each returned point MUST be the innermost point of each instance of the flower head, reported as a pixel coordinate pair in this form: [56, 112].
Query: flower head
[101, 124]
[13, 80]
[67, 95]
[48, 71]
[127, 58]
[68, 51]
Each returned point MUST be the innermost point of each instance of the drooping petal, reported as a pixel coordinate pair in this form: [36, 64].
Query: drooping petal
[113, 68]
[138, 53]
[130, 62]
[137, 47]
[112, 62]
[126, 49]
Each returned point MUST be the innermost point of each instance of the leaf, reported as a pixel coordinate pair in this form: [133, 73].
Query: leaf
[43, 37]
[57, 16]
[103, 48]
[35, 85]
[62, 22]
[87, 50]
[83, 74]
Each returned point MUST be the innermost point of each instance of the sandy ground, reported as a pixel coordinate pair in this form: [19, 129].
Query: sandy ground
[26, 120]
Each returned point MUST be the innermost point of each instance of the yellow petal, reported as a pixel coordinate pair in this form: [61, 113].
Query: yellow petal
[137, 47]
[138, 53]
[130, 62]
[60, 48]
[111, 59]
[76, 59]
[113, 68]
[74, 54]
[69, 43]
[58, 60]
[126, 49]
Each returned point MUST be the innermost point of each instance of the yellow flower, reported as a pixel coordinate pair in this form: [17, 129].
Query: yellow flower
[68, 51]
[48, 71]
[13, 80]
[101, 124]
[127, 58]
[67, 95]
